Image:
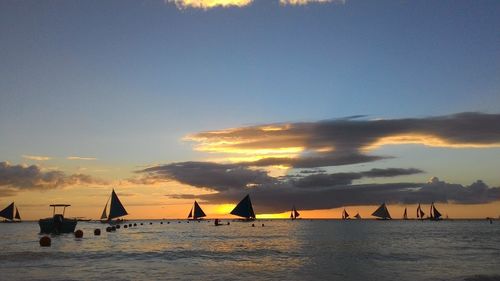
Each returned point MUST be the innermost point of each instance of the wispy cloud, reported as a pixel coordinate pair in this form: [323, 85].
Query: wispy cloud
[306, 2]
[208, 4]
[348, 140]
[81, 158]
[36, 157]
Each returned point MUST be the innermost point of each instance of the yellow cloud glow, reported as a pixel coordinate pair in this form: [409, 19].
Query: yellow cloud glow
[208, 4]
[427, 140]
[305, 2]
[36, 157]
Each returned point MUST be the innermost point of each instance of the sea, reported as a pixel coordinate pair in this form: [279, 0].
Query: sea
[270, 250]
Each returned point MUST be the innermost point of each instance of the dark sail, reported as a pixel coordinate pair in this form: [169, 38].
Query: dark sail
[116, 209]
[382, 212]
[17, 214]
[345, 215]
[405, 215]
[437, 214]
[104, 215]
[198, 212]
[190, 213]
[8, 212]
[244, 208]
[296, 213]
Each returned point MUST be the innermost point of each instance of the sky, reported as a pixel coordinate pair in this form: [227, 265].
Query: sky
[323, 105]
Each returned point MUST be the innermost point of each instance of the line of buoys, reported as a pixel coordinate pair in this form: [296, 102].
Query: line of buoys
[78, 233]
[45, 241]
[97, 232]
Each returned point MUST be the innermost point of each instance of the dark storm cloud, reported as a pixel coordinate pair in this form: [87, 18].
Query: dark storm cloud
[345, 141]
[208, 175]
[312, 191]
[14, 178]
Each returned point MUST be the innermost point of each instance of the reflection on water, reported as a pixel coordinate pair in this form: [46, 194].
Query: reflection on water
[293, 250]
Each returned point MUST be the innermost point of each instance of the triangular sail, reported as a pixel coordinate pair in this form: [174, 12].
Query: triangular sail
[244, 208]
[382, 212]
[357, 216]
[431, 211]
[437, 214]
[345, 215]
[295, 213]
[291, 215]
[8, 212]
[198, 212]
[116, 209]
[104, 215]
[17, 214]
[190, 213]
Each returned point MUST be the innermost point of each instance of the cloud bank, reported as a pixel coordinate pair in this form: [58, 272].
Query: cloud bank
[14, 178]
[230, 182]
[348, 140]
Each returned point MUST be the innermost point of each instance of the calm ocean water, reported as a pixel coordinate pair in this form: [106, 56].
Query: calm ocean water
[282, 250]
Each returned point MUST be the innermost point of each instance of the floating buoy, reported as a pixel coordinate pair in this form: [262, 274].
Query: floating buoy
[262, 225]
[113, 228]
[150, 223]
[118, 226]
[178, 222]
[168, 222]
[142, 223]
[78, 233]
[45, 241]
[161, 222]
[228, 223]
[253, 225]
[97, 232]
[108, 229]
[129, 225]
[187, 221]
[135, 224]
[125, 226]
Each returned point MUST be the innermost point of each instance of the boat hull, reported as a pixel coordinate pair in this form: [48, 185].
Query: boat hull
[57, 225]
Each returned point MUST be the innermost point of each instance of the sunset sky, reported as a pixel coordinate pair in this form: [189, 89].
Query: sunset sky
[314, 103]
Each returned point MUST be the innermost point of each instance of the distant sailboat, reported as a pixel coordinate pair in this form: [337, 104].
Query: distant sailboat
[10, 214]
[420, 213]
[435, 214]
[244, 209]
[382, 213]
[345, 215]
[405, 215]
[116, 210]
[357, 216]
[198, 212]
[294, 214]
